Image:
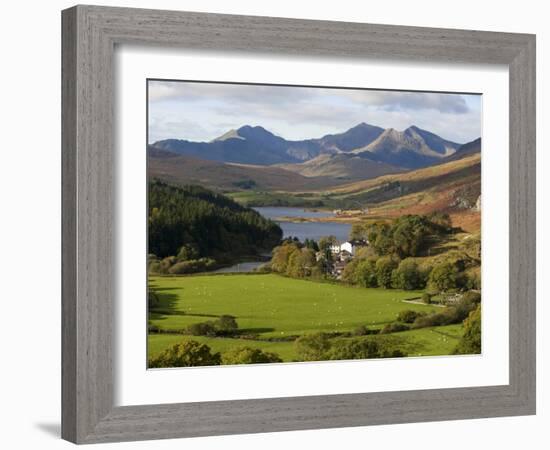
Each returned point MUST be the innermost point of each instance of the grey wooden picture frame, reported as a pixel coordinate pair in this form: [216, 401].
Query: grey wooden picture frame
[90, 34]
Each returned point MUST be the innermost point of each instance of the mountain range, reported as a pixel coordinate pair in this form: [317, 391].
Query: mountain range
[366, 145]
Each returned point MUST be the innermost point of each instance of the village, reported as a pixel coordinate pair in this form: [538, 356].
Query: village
[341, 253]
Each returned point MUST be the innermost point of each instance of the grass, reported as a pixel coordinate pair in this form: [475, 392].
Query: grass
[274, 306]
[271, 306]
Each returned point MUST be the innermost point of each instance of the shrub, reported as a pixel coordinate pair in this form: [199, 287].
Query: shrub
[353, 349]
[471, 297]
[450, 315]
[392, 354]
[394, 328]
[226, 324]
[470, 343]
[473, 279]
[363, 330]
[409, 316]
[192, 266]
[248, 355]
[202, 329]
[362, 349]
[187, 252]
[166, 263]
[441, 221]
[312, 347]
[186, 354]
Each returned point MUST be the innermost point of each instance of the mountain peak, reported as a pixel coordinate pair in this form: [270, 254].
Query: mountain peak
[255, 128]
[391, 133]
[231, 134]
[364, 125]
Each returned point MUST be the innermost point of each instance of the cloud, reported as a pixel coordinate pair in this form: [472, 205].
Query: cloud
[203, 111]
[410, 101]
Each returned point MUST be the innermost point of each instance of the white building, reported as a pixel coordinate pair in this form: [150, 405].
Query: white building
[349, 246]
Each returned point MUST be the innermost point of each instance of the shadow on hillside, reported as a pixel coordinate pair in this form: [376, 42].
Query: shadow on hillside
[167, 301]
[395, 189]
[244, 331]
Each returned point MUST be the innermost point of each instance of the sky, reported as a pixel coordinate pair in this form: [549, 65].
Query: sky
[198, 111]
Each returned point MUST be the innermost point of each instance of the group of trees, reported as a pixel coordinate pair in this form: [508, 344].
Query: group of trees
[390, 272]
[295, 260]
[320, 347]
[195, 228]
[457, 313]
[470, 343]
[408, 235]
[390, 260]
[190, 353]
[386, 272]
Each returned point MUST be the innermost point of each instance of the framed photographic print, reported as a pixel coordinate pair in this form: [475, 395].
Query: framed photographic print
[268, 229]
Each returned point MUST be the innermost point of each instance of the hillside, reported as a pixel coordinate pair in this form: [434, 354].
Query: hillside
[207, 224]
[467, 149]
[451, 187]
[342, 166]
[173, 168]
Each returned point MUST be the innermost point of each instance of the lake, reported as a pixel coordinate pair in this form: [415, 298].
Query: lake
[303, 230]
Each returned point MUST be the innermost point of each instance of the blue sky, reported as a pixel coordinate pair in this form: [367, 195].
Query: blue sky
[203, 111]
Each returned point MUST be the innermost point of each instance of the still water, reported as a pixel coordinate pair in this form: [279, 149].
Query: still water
[301, 230]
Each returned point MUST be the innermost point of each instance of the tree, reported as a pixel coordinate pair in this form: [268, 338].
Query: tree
[470, 343]
[407, 276]
[409, 233]
[358, 232]
[365, 273]
[384, 268]
[380, 238]
[312, 347]
[192, 222]
[409, 316]
[248, 355]
[326, 241]
[443, 277]
[186, 354]
[311, 244]
[300, 263]
[281, 256]
[187, 251]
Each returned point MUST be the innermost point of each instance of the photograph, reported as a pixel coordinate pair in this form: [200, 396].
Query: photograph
[290, 224]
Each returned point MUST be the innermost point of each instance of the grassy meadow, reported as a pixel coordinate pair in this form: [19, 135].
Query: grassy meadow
[272, 310]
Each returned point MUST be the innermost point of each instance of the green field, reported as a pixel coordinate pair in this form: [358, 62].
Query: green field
[271, 306]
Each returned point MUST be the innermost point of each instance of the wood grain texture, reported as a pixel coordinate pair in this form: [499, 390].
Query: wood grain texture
[89, 36]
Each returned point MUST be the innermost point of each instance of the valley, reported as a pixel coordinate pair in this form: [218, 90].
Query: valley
[362, 244]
